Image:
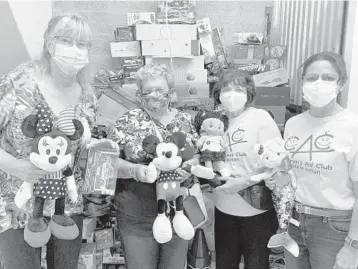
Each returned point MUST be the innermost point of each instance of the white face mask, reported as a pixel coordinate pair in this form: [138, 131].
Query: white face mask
[70, 59]
[233, 101]
[319, 93]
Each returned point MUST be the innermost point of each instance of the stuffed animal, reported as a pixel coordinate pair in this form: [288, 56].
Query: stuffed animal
[211, 127]
[50, 151]
[169, 156]
[275, 158]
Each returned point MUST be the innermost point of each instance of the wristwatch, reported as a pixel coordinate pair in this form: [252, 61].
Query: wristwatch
[353, 243]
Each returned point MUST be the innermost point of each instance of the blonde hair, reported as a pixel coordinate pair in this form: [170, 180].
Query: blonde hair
[71, 26]
[154, 70]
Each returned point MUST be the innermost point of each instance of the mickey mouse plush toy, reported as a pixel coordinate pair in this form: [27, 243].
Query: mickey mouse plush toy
[168, 157]
[50, 151]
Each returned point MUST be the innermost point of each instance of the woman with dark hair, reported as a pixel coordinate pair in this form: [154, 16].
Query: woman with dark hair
[323, 144]
[244, 216]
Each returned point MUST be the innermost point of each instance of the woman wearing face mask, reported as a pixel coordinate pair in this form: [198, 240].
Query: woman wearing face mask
[59, 81]
[244, 215]
[135, 198]
[323, 144]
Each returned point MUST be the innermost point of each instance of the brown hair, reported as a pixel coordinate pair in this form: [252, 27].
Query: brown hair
[231, 77]
[336, 61]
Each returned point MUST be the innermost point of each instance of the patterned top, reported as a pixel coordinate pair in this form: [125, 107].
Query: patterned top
[133, 198]
[130, 130]
[19, 96]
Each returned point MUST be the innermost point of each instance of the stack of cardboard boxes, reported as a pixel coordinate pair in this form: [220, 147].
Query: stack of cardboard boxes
[267, 65]
[101, 247]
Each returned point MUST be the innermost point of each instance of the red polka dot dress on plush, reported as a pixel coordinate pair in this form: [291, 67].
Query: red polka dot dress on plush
[51, 187]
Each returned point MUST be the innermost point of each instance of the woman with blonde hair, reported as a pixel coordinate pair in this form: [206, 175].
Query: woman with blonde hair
[59, 81]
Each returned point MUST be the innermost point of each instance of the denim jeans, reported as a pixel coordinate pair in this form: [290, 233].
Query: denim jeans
[319, 239]
[141, 251]
[61, 254]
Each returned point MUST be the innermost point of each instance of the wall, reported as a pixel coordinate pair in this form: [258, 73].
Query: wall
[104, 16]
[21, 39]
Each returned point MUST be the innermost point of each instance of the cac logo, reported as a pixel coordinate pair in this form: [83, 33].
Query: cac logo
[310, 146]
[236, 137]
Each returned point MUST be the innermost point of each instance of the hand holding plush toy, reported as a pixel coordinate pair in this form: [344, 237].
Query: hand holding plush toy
[275, 158]
[211, 127]
[50, 151]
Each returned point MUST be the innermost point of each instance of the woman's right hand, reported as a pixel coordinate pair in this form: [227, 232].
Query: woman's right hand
[28, 172]
[270, 183]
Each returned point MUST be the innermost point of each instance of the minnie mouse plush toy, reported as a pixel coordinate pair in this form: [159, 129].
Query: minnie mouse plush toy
[50, 151]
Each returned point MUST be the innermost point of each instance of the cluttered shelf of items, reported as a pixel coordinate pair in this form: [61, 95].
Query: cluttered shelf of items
[197, 55]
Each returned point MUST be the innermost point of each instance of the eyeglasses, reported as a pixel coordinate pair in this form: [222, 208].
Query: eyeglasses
[325, 77]
[69, 42]
[157, 91]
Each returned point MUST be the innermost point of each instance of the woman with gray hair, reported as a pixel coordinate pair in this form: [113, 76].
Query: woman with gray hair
[58, 81]
[135, 198]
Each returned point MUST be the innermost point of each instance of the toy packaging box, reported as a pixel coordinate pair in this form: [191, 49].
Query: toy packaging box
[87, 258]
[178, 11]
[101, 172]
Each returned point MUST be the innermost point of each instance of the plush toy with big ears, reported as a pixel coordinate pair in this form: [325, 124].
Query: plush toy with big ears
[169, 156]
[211, 126]
[50, 151]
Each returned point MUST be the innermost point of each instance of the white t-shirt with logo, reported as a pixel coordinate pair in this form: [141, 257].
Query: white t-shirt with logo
[253, 126]
[323, 155]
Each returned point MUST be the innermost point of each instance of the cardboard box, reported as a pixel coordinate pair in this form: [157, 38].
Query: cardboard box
[89, 225]
[87, 257]
[124, 34]
[125, 49]
[271, 78]
[176, 32]
[205, 103]
[187, 63]
[206, 40]
[263, 58]
[104, 238]
[99, 259]
[272, 96]
[176, 11]
[276, 112]
[141, 17]
[218, 43]
[101, 171]
[178, 48]
[113, 256]
[249, 52]
[247, 38]
[193, 90]
[275, 57]
[190, 76]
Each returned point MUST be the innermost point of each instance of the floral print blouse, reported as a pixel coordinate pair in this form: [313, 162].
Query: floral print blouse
[130, 130]
[19, 95]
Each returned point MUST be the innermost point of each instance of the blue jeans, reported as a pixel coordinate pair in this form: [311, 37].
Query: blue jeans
[141, 251]
[319, 238]
[61, 254]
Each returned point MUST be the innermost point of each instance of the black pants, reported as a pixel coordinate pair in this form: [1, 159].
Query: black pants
[243, 236]
[61, 254]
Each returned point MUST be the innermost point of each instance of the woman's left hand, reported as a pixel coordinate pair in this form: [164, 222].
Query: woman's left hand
[183, 175]
[347, 258]
[232, 185]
